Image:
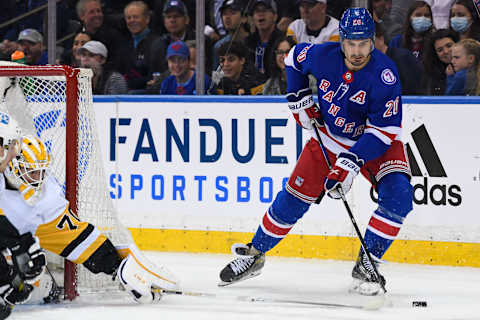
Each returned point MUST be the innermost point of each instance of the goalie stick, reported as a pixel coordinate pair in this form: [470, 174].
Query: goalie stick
[349, 211]
[376, 302]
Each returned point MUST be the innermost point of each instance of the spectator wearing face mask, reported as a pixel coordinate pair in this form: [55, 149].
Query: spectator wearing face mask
[465, 20]
[417, 25]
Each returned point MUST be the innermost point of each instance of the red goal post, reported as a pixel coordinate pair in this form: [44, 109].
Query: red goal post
[56, 104]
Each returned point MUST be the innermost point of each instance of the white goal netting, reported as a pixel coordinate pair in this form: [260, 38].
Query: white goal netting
[37, 97]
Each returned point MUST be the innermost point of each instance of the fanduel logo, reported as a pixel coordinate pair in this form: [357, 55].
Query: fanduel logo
[429, 191]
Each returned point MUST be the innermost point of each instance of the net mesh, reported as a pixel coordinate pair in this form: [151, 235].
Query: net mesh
[39, 102]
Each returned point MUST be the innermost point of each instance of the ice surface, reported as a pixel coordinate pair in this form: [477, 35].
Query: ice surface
[451, 293]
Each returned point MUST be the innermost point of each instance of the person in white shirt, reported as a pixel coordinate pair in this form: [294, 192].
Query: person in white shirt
[314, 26]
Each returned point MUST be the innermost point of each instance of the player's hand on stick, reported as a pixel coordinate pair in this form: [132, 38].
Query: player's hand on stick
[342, 174]
[306, 113]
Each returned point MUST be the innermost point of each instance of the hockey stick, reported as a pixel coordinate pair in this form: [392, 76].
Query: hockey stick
[372, 305]
[349, 211]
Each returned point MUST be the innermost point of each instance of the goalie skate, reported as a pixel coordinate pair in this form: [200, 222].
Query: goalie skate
[364, 279]
[248, 264]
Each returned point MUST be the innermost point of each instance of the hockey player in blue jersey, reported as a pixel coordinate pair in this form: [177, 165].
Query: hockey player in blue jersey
[359, 118]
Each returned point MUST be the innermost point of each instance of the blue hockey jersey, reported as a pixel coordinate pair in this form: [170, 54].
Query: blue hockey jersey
[362, 110]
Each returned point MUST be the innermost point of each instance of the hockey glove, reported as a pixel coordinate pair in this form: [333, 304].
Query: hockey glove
[306, 112]
[13, 296]
[12, 289]
[29, 258]
[342, 174]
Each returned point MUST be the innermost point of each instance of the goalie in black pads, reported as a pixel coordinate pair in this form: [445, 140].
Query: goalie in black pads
[34, 215]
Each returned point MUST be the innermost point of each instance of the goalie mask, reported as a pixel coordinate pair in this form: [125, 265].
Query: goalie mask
[9, 131]
[28, 170]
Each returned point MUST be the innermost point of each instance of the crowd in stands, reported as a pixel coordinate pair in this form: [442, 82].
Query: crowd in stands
[148, 47]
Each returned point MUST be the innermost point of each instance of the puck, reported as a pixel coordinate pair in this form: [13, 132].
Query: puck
[421, 304]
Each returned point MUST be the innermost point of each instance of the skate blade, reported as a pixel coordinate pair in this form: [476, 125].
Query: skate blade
[365, 288]
[251, 275]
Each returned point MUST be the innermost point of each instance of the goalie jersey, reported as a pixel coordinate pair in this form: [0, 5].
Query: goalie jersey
[362, 110]
[58, 229]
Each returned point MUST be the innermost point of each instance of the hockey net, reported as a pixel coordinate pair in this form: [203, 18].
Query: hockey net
[55, 103]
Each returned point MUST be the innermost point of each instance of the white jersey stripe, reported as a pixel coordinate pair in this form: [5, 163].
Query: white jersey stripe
[268, 233]
[387, 221]
[75, 254]
[276, 223]
[380, 233]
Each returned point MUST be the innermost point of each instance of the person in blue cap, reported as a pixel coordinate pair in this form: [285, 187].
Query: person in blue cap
[182, 78]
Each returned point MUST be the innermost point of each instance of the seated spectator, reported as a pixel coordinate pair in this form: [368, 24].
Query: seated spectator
[378, 9]
[183, 79]
[91, 15]
[315, 26]
[142, 52]
[417, 25]
[260, 43]
[277, 83]
[437, 61]
[177, 23]
[239, 77]
[31, 43]
[408, 68]
[234, 22]
[158, 25]
[105, 80]
[465, 61]
[72, 57]
[465, 20]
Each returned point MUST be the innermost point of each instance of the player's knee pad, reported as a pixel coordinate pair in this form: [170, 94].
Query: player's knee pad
[395, 196]
[288, 208]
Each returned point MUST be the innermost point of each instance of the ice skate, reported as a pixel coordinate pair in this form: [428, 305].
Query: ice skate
[248, 264]
[364, 279]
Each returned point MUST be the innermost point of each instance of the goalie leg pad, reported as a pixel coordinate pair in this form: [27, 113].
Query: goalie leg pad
[139, 276]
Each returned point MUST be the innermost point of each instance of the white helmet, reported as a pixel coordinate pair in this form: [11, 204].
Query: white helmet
[9, 131]
[29, 169]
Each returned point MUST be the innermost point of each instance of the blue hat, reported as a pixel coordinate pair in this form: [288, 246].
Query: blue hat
[177, 5]
[178, 48]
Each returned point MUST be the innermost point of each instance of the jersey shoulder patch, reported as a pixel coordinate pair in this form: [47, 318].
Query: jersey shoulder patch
[388, 77]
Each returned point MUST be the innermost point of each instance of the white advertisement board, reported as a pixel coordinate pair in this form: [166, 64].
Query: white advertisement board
[217, 164]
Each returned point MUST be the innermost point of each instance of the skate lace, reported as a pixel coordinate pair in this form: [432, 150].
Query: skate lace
[240, 265]
[367, 265]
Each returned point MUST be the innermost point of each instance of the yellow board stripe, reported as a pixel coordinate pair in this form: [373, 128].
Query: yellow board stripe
[308, 246]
